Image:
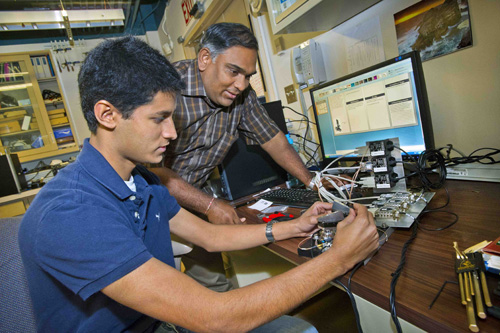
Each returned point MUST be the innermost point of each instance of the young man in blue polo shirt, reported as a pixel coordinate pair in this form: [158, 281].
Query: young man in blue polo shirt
[96, 240]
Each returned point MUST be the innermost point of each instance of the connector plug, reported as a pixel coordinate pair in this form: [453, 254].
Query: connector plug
[367, 182]
[365, 166]
[363, 150]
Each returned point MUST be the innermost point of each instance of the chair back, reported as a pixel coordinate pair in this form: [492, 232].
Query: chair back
[16, 309]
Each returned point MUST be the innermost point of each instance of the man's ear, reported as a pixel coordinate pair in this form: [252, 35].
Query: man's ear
[204, 59]
[106, 114]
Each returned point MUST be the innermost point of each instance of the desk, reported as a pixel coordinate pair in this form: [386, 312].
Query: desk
[429, 260]
[16, 204]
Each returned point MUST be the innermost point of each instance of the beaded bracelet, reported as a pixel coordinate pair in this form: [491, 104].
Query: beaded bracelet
[210, 205]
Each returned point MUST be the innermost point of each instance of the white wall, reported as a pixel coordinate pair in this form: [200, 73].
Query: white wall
[174, 24]
[463, 86]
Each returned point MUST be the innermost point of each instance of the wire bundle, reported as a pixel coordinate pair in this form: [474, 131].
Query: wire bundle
[471, 158]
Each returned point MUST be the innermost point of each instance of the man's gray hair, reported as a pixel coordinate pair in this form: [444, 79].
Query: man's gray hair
[221, 36]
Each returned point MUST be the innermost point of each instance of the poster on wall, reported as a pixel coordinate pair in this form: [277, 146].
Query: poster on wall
[434, 28]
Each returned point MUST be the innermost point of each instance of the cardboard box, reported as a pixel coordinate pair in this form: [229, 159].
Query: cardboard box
[9, 127]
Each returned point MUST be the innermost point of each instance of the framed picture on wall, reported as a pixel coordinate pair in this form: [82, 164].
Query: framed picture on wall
[434, 28]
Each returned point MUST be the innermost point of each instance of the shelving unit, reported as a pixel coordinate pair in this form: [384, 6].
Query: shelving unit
[30, 126]
[292, 16]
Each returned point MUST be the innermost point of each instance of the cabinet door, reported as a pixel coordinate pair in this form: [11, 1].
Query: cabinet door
[24, 124]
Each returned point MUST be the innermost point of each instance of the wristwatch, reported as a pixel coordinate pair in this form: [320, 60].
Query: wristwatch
[269, 231]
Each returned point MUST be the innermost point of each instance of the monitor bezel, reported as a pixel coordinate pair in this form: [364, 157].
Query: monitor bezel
[423, 101]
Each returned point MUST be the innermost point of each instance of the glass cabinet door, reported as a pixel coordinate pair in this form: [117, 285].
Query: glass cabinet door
[24, 124]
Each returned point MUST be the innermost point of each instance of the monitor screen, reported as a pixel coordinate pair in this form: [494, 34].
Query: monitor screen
[384, 101]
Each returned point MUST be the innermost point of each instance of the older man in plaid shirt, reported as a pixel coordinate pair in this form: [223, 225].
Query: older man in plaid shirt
[217, 106]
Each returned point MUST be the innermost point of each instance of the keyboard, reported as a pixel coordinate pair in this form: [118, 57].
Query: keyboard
[292, 197]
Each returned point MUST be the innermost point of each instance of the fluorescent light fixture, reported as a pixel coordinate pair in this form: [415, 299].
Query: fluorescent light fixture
[54, 19]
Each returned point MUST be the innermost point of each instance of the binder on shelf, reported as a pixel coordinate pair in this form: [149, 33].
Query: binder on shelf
[37, 66]
[15, 68]
[51, 68]
[33, 63]
[6, 71]
[45, 67]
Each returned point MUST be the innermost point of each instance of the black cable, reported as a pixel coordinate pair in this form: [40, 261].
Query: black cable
[442, 228]
[397, 273]
[428, 162]
[471, 158]
[353, 303]
[301, 121]
[440, 291]
[358, 265]
[307, 126]
[310, 141]
[438, 210]
[311, 157]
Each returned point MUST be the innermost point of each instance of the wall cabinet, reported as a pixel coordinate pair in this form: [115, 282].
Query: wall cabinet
[291, 16]
[33, 120]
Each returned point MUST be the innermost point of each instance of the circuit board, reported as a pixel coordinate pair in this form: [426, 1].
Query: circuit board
[399, 209]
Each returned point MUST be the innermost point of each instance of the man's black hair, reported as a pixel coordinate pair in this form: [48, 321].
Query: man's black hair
[221, 36]
[126, 72]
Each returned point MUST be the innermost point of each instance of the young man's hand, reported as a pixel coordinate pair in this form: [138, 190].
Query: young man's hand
[356, 237]
[307, 223]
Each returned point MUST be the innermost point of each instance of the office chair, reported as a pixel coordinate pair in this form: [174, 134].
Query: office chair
[16, 310]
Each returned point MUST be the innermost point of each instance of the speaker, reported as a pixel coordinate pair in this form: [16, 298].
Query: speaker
[12, 179]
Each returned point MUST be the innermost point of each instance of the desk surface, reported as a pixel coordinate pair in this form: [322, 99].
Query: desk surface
[429, 259]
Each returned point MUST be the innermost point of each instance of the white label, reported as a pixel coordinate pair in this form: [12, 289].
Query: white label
[26, 123]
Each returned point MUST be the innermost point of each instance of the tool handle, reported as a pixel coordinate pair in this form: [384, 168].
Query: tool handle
[467, 287]
[486, 293]
[462, 289]
[471, 318]
[477, 295]
[471, 283]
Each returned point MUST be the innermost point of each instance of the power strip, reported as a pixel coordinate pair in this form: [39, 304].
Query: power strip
[474, 171]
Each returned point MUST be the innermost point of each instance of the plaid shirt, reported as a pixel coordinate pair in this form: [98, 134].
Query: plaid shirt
[207, 131]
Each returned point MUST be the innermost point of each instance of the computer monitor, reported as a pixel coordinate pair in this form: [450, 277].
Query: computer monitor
[247, 169]
[384, 101]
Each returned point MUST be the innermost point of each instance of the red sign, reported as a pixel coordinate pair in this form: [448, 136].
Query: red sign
[187, 5]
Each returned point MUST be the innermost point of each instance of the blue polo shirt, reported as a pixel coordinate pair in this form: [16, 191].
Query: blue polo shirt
[86, 229]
